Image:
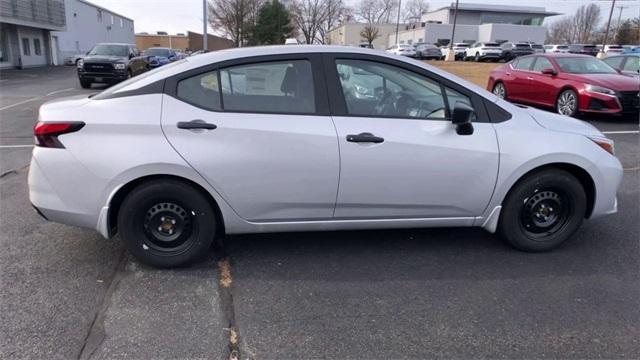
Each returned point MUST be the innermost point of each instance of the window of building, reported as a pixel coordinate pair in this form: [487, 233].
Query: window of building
[36, 47]
[420, 40]
[381, 90]
[26, 47]
[272, 87]
[409, 42]
[201, 90]
[121, 22]
[112, 20]
[77, 46]
[99, 15]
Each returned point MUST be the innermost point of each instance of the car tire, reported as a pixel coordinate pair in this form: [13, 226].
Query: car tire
[167, 223]
[85, 84]
[542, 210]
[500, 90]
[129, 74]
[477, 58]
[567, 103]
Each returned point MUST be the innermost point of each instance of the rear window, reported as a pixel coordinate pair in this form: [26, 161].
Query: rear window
[536, 46]
[491, 44]
[522, 46]
[589, 46]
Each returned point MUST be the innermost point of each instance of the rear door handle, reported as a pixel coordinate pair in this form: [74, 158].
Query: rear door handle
[529, 78]
[365, 137]
[196, 124]
[508, 73]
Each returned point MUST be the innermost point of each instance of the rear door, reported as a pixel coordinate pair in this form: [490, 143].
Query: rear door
[518, 88]
[258, 130]
[400, 154]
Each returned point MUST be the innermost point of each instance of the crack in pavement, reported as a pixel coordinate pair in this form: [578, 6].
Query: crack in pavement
[96, 334]
[226, 300]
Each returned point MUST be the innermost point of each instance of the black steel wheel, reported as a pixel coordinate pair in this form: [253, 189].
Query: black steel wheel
[542, 210]
[167, 223]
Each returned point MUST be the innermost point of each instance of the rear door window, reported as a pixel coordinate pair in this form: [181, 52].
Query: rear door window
[284, 87]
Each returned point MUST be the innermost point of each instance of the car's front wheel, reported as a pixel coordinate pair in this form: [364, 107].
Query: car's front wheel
[567, 103]
[167, 223]
[543, 210]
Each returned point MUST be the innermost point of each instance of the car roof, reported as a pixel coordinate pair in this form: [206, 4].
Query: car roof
[114, 43]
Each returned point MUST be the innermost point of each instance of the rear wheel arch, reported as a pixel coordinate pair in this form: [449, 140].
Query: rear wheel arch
[578, 172]
[119, 196]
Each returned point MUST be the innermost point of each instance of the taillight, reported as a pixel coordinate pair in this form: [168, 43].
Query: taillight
[46, 133]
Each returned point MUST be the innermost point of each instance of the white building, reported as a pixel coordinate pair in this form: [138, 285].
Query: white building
[25, 32]
[89, 24]
[477, 22]
[349, 34]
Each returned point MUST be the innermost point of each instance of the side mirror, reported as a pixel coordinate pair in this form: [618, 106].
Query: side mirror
[461, 118]
[549, 71]
[131, 56]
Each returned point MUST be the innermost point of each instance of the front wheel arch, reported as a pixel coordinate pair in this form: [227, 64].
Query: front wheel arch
[581, 174]
[122, 192]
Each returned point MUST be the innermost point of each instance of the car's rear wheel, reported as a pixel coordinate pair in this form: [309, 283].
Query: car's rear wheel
[499, 90]
[567, 103]
[85, 84]
[167, 223]
[543, 210]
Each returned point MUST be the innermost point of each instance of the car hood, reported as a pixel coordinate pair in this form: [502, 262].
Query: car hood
[562, 123]
[617, 82]
[103, 58]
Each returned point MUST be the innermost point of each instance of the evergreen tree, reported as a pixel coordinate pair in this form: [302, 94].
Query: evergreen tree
[273, 25]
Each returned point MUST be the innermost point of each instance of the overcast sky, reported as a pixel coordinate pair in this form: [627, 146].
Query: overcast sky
[176, 16]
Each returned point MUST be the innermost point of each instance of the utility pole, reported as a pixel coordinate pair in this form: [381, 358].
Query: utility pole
[398, 21]
[204, 26]
[451, 55]
[601, 54]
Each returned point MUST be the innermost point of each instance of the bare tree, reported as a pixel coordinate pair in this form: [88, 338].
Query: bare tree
[585, 21]
[334, 9]
[376, 11]
[370, 33]
[561, 31]
[413, 9]
[308, 15]
[232, 17]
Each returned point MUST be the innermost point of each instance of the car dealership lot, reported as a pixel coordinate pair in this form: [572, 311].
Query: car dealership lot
[362, 294]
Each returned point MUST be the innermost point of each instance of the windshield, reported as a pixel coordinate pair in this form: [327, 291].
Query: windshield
[156, 52]
[584, 65]
[110, 50]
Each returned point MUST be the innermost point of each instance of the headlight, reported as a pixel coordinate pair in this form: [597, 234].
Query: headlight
[605, 143]
[119, 66]
[80, 63]
[600, 90]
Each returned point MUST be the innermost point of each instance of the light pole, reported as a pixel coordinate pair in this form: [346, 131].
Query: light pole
[451, 55]
[601, 53]
[204, 25]
[398, 20]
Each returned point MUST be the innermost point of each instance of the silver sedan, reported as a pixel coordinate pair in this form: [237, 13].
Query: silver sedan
[281, 138]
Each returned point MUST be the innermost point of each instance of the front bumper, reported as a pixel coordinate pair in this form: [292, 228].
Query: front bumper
[103, 77]
[625, 103]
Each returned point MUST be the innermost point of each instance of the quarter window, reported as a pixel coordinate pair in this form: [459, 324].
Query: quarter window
[271, 87]
[201, 90]
[380, 90]
[541, 64]
[632, 64]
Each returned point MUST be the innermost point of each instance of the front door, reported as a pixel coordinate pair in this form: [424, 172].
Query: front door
[543, 88]
[400, 154]
[257, 133]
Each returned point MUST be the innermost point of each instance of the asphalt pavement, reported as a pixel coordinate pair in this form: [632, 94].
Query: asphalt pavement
[455, 293]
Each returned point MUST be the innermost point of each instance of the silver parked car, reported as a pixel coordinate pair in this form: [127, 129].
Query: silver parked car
[281, 138]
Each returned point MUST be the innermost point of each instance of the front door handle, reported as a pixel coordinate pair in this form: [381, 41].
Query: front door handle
[365, 137]
[196, 124]
[529, 78]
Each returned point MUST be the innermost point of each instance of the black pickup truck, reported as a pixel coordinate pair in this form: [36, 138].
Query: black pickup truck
[110, 63]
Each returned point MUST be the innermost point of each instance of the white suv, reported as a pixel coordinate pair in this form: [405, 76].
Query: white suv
[483, 51]
[556, 48]
[402, 49]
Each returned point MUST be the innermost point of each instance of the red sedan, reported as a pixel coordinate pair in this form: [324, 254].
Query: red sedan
[569, 83]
